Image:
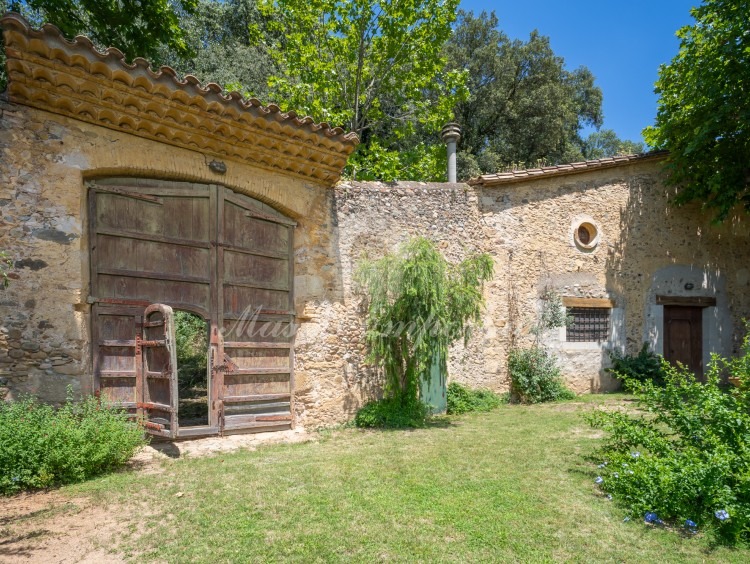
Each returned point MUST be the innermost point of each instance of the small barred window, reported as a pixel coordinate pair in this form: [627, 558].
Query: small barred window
[588, 324]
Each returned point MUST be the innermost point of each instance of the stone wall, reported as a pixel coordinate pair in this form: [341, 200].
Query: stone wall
[45, 162]
[645, 248]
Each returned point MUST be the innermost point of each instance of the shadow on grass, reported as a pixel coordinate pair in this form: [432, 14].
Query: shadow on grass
[437, 422]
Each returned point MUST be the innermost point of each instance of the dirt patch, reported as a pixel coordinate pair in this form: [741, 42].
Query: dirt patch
[51, 527]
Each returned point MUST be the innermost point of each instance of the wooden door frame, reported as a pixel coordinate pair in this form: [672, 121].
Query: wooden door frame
[692, 302]
[216, 194]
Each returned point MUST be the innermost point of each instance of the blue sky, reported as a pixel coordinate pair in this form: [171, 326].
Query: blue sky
[623, 43]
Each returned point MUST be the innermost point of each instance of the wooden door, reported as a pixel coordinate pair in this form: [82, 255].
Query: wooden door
[683, 337]
[204, 249]
[156, 381]
[255, 303]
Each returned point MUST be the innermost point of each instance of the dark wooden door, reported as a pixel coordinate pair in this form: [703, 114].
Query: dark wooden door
[204, 249]
[255, 305]
[683, 336]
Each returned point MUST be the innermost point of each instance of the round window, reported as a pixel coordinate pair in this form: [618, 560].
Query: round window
[586, 235]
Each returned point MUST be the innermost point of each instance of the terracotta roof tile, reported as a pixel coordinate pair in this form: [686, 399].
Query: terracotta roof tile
[73, 78]
[563, 169]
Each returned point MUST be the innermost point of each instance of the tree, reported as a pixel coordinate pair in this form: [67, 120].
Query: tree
[703, 116]
[228, 43]
[606, 143]
[138, 28]
[373, 67]
[419, 304]
[524, 106]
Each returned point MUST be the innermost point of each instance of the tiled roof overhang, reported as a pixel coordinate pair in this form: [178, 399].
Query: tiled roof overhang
[73, 79]
[564, 169]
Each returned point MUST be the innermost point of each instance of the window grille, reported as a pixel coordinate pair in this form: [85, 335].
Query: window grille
[588, 325]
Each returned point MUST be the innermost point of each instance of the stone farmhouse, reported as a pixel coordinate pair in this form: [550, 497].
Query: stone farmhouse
[127, 193]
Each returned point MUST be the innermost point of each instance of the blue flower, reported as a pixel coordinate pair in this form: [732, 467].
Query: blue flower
[651, 517]
[16, 479]
[609, 497]
[635, 454]
[602, 465]
[626, 519]
[691, 524]
[722, 514]
[598, 480]
[616, 475]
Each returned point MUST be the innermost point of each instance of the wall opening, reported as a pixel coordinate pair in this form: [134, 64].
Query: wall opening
[191, 337]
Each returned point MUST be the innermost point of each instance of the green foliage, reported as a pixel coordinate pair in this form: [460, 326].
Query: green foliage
[392, 413]
[228, 43]
[535, 376]
[686, 453]
[703, 114]
[371, 67]
[606, 143]
[5, 265]
[42, 447]
[524, 105]
[191, 340]
[138, 28]
[419, 304]
[553, 315]
[375, 162]
[465, 400]
[645, 366]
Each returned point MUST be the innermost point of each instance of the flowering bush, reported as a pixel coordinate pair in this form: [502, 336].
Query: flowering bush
[685, 457]
[41, 446]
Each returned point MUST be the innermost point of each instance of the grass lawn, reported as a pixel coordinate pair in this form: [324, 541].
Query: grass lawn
[511, 485]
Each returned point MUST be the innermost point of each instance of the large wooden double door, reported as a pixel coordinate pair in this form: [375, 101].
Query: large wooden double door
[158, 246]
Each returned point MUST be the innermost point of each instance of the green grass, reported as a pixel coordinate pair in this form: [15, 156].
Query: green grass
[509, 485]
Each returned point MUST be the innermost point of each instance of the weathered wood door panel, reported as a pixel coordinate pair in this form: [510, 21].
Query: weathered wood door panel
[204, 249]
[683, 336]
[156, 383]
[115, 361]
[255, 307]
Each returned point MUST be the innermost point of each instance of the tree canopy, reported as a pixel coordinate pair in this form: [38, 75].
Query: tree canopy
[393, 72]
[138, 28]
[524, 105]
[374, 67]
[703, 114]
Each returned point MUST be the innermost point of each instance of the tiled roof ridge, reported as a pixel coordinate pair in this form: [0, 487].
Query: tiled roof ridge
[563, 169]
[14, 19]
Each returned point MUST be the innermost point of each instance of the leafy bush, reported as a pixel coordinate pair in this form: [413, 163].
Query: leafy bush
[419, 304]
[464, 400]
[535, 376]
[645, 366]
[685, 457]
[392, 413]
[41, 446]
[191, 340]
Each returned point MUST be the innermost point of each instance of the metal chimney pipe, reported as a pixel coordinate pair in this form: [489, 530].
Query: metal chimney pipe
[450, 134]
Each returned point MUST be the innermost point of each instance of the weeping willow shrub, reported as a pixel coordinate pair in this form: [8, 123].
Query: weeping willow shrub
[419, 304]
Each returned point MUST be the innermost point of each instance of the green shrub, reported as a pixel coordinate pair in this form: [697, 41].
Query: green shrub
[646, 365]
[41, 446]
[392, 413]
[686, 454]
[191, 340]
[535, 376]
[464, 400]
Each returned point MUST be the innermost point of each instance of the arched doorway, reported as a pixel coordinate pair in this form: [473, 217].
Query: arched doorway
[204, 249]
